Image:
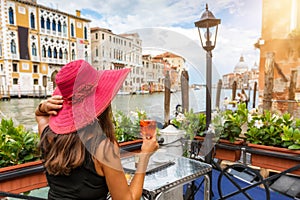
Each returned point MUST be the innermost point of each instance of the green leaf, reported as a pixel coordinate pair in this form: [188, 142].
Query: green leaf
[294, 147]
[28, 157]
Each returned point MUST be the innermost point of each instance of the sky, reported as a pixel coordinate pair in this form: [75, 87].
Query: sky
[168, 25]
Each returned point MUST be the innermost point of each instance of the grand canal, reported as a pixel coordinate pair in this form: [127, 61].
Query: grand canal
[22, 110]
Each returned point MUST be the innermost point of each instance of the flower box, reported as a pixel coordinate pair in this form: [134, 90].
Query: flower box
[275, 158]
[23, 177]
[229, 151]
[225, 150]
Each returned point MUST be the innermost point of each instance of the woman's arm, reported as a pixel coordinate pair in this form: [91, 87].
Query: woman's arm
[111, 168]
[45, 109]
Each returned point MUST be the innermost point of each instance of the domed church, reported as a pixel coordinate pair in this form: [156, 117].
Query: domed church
[241, 67]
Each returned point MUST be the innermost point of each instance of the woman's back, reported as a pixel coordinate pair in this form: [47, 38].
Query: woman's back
[83, 182]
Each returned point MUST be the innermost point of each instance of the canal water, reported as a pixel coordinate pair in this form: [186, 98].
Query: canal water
[22, 110]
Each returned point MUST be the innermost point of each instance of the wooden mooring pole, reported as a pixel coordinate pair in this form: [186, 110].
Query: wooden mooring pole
[292, 90]
[167, 99]
[234, 86]
[185, 91]
[254, 94]
[269, 81]
[218, 95]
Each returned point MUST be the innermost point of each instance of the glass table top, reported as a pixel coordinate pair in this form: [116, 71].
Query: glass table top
[181, 170]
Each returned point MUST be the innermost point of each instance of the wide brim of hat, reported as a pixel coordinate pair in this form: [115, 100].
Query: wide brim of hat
[74, 116]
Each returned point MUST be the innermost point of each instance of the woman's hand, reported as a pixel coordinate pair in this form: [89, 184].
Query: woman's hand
[45, 109]
[53, 104]
[150, 144]
[49, 106]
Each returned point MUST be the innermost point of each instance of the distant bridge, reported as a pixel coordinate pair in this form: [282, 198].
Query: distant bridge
[198, 85]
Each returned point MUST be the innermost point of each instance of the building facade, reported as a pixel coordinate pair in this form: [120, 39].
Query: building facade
[153, 74]
[243, 76]
[36, 41]
[279, 47]
[174, 64]
[113, 51]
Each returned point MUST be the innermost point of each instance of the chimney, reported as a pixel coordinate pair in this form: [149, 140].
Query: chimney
[78, 13]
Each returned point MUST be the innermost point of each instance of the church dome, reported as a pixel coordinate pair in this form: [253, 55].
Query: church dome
[255, 67]
[241, 66]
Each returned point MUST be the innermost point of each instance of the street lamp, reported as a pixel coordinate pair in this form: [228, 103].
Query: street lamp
[208, 28]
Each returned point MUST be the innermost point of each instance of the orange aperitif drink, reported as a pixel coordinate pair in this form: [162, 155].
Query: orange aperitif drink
[148, 128]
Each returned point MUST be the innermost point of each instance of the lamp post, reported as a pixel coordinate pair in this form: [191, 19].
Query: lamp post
[208, 29]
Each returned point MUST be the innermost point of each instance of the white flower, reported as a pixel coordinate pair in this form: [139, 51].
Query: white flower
[223, 120]
[180, 117]
[275, 117]
[211, 128]
[214, 114]
[253, 111]
[250, 118]
[258, 123]
[133, 115]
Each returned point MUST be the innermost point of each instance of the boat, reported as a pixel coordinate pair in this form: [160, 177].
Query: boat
[123, 93]
[142, 92]
[173, 90]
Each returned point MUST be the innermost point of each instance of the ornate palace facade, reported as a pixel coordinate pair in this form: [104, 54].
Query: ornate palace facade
[35, 42]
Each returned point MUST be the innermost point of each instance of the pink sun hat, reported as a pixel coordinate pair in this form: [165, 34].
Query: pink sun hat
[86, 93]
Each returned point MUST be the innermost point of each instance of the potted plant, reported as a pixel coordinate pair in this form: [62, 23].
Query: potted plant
[21, 170]
[291, 136]
[266, 128]
[224, 124]
[233, 121]
[127, 130]
[269, 136]
[192, 123]
[227, 126]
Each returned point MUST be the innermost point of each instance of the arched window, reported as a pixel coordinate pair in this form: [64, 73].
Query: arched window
[59, 26]
[73, 54]
[42, 22]
[65, 28]
[11, 15]
[0, 50]
[32, 21]
[72, 30]
[48, 24]
[49, 52]
[33, 49]
[54, 53]
[66, 54]
[86, 56]
[85, 33]
[44, 51]
[13, 48]
[53, 25]
[60, 54]
[97, 53]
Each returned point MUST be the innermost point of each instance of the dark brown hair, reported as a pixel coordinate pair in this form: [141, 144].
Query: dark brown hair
[64, 152]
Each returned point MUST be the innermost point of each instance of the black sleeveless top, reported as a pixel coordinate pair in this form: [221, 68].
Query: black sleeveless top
[83, 183]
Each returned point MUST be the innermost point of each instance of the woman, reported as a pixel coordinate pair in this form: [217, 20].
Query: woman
[80, 152]
[244, 98]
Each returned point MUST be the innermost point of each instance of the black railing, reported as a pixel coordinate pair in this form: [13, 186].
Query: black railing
[245, 168]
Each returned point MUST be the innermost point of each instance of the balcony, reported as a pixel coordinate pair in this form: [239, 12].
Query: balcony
[35, 58]
[15, 56]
